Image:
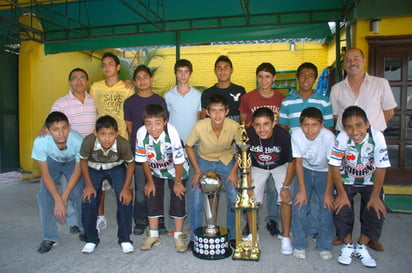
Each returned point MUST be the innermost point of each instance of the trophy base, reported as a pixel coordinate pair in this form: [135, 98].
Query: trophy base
[211, 246]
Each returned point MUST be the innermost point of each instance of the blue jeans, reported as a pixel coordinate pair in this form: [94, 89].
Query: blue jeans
[46, 201]
[140, 209]
[315, 183]
[271, 201]
[116, 177]
[196, 217]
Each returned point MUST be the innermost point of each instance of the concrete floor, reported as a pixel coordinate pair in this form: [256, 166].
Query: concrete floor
[20, 236]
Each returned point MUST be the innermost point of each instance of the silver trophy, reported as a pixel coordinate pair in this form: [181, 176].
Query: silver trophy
[210, 184]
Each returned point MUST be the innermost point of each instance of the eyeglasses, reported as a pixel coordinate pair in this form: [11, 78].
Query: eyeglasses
[78, 79]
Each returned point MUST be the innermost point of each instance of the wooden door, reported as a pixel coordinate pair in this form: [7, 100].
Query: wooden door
[392, 59]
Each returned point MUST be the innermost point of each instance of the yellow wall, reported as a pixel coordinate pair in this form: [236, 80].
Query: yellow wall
[245, 59]
[43, 79]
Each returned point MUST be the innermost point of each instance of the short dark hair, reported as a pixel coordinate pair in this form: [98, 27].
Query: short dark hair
[144, 68]
[263, 112]
[224, 58]
[154, 111]
[307, 65]
[106, 122]
[77, 69]
[55, 116]
[111, 55]
[354, 111]
[311, 112]
[183, 63]
[268, 67]
[217, 98]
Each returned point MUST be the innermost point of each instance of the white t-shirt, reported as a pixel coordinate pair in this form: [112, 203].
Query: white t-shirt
[315, 153]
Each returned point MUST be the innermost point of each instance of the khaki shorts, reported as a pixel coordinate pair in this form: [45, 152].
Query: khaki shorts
[260, 176]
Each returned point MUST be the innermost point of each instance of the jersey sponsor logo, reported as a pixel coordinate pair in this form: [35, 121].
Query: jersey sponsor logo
[362, 170]
[350, 156]
[160, 165]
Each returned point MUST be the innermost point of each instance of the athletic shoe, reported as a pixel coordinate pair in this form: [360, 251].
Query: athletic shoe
[45, 246]
[190, 245]
[82, 237]
[101, 223]
[88, 248]
[286, 246]
[376, 245]
[325, 255]
[337, 241]
[299, 253]
[346, 254]
[272, 227]
[180, 244]
[150, 242]
[127, 247]
[74, 229]
[140, 227]
[249, 237]
[362, 253]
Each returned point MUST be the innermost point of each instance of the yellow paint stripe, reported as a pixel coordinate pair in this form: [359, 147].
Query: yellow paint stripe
[398, 189]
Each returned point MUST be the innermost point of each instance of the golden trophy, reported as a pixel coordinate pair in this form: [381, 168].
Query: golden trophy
[246, 249]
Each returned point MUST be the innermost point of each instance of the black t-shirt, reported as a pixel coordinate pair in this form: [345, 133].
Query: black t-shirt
[270, 153]
[232, 94]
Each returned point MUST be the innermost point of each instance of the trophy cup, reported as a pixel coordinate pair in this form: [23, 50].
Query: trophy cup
[211, 241]
[246, 249]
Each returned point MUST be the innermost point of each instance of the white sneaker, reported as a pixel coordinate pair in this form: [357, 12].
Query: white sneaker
[362, 253]
[101, 223]
[127, 247]
[299, 253]
[346, 254]
[89, 248]
[325, 255]
[249, 237]
[286, 246]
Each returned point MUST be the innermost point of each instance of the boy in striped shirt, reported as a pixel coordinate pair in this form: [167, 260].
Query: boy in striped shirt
[160, 150]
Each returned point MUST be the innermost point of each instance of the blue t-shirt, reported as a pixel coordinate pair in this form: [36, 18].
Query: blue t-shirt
[45, 147]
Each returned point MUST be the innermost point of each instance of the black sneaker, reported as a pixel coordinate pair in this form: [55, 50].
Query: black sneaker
[140, 226]
[82, 237]
[45, 246]
[190, 246]
[162, 227]
[74, 229]
[233, 243]
[272, 227]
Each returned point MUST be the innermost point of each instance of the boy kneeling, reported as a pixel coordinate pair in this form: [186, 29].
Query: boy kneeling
[159, 148]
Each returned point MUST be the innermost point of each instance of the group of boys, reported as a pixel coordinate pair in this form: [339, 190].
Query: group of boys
[161, 132]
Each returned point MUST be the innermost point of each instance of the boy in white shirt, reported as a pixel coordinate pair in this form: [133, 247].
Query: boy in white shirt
[311, 146]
